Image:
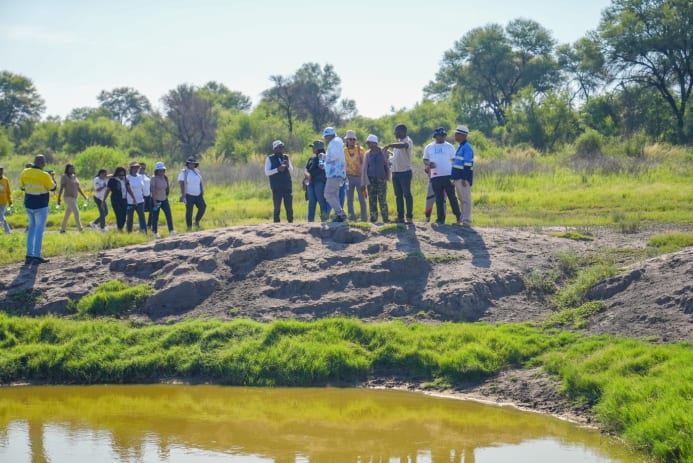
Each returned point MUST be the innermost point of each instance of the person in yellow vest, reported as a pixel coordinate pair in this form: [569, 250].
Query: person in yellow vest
[5, 199]
[37, 185]
[354, 154]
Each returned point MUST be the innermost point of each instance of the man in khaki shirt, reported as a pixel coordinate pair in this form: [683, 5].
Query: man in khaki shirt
[402, 173]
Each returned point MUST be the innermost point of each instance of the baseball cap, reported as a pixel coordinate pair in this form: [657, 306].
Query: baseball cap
[276, 143]
[372, 138]
[462, 129]
[191, 160]
[317, 144]
[328, 131]
[440, 131]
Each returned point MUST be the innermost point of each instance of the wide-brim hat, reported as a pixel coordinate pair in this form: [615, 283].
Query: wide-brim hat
[191, 160]
[159, 166]
[133, 164]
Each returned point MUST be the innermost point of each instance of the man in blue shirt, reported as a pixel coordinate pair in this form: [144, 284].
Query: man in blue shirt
[463, 173]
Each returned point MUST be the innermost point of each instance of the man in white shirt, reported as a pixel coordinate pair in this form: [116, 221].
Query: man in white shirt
[147, 193]
[438, 157]
[135, 198]
[192, 192]
[335, 171]
[402, 173]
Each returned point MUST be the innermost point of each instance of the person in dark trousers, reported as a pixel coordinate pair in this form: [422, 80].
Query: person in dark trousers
[402, 173]
[192, 192]
[118, 188]
[278, 168]
[437, 158]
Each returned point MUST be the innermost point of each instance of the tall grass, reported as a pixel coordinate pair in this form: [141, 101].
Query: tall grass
[643, 392]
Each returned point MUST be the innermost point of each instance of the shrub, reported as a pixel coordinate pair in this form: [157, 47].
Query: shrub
[5, 145]
[89, 161]
[589, 145]
[113, 298]
[671, 242]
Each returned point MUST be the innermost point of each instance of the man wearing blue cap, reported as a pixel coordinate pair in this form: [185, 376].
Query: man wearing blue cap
[438, 157]
[335, 171]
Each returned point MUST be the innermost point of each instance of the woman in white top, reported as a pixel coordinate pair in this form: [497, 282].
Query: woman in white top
[100, 187]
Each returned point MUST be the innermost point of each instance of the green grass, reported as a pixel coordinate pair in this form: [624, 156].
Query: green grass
[641, 391]
[671, 242]
[572, 235]
[574, 318]
[113, 298]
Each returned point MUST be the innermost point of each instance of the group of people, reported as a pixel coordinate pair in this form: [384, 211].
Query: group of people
[339, 169]
[131, 192]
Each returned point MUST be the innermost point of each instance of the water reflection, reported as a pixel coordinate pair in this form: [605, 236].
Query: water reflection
[211, 424]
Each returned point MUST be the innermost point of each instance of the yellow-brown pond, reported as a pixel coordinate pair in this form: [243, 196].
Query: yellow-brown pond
[174, 423]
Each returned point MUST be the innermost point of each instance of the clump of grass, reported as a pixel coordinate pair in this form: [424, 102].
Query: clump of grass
[671, 242]
[573, 294]
[574, 318]
[392, 228]
[568, 263]
[572, 235]
[443, 258]
[360, 225]
[627, 224]
[540, 282]
[113, 298]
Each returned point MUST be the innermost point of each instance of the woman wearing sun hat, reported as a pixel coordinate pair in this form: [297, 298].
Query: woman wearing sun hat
[160, 190]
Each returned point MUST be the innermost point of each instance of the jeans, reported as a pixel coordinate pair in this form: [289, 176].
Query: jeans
[332, 188]
[441, 187]
[197, 201]
[316, 195]
[355, 184]
[37, 225]
[161, 206]
[139, 208]
[401, 181]
[3, 219]
[103, 213]
[148, 207]
[120, 207]
[280, 194]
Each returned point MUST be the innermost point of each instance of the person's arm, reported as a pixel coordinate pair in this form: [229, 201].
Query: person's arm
[401, 144]
[105, 197]
[79, 188]
[427, 162]
[129, 190]
[364, 172]
[268, 167]
[291, 166]
[9, 192]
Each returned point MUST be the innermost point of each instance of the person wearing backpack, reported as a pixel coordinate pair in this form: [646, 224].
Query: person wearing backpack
[192, 192]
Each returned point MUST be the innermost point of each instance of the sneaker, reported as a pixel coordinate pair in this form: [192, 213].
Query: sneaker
[40, 260]
[197, 226]
[428, 218]
[62, 231]
[156, 235]
[93, 226]
[28, 260]
[399, 220]
[410, 221]
[171, 233]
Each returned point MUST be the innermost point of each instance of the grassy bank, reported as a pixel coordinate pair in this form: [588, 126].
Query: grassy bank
[641, 391]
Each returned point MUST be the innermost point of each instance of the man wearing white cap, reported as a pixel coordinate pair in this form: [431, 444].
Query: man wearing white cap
[278, 168]
[335, 171]
[376, 171]
[463, 173]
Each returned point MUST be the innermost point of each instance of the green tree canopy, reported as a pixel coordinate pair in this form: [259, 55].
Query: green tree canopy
[125, 105]
[491, 65]
[19, 100]
[650, 43]
[193, 120]
[220, 95]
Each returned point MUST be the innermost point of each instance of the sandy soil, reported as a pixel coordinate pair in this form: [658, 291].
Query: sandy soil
[421, 272]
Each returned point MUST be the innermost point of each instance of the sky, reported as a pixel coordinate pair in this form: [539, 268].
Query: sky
[385, 52]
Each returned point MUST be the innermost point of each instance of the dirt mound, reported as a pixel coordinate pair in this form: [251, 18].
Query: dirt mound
[309, 271]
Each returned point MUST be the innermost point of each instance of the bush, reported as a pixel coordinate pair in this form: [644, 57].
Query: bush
[89, 161]
[113, 299]
[80, 135]
[589, 145]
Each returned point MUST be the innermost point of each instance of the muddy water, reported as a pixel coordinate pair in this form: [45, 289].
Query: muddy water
[173, 423]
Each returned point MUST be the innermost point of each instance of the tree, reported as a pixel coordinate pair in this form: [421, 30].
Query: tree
[318, 93]
[649, 42]
[584, 66]
[19, 100]
[220, 94]
[86, 113]
[491, 65]
[79, 135]
[283, 96]
[126, 105]
[194, 124]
